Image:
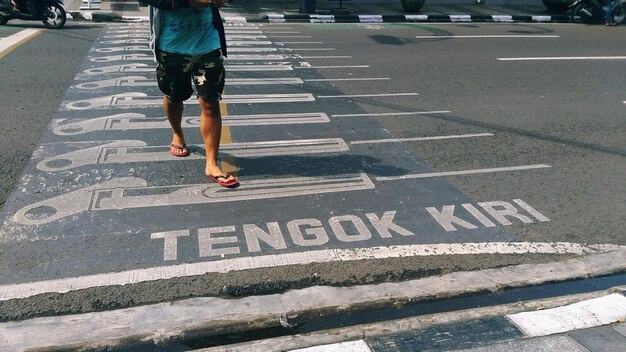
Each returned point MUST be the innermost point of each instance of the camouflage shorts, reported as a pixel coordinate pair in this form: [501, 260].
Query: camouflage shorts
[176, 71]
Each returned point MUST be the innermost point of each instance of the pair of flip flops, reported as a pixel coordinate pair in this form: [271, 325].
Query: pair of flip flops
[224, 180]
[179, 150]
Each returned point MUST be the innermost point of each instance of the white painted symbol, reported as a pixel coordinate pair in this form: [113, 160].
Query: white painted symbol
[270, 66]
[127, 36]
[256, 57]
[127, 57]
[237, 36]
[139, 81]
[125, 41]
[125, 122]
[132, 192]
[247, 42]
[122, 68]
[237, 31]
[138, 99]
[128, 81]
[128, 31]
[123, 48]
[252, 50]
[134, 151]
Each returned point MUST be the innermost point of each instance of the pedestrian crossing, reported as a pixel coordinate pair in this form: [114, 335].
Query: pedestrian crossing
[302, 148]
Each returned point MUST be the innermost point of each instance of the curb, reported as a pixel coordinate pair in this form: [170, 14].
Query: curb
[530, 326]
[210, 316]
[308, 18]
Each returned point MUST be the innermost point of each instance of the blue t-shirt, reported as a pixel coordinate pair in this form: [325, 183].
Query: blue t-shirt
[188, 31]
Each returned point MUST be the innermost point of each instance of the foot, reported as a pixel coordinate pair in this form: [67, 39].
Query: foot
[225, 180]
[179, 150]
[218, 175]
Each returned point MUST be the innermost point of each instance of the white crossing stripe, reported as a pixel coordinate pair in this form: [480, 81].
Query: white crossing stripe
[138, 99]
[406, 113]
[484, 36]
[134, 121]
[420, 139]
[554, 58]
[577, 316]
[367, 95]
[136, 151]
[348, 79]
[463, 172]
[134, 192]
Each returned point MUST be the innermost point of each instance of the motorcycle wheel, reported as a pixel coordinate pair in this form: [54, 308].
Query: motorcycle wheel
[3, 20]
[577, 16]
[54, 16]
[619, 13]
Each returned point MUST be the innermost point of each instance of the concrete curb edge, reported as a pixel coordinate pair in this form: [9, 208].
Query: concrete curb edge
[210, 316]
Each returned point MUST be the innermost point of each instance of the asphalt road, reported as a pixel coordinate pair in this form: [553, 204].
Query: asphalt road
[535, 147]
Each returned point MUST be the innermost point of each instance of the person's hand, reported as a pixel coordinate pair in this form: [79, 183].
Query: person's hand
[196, 4]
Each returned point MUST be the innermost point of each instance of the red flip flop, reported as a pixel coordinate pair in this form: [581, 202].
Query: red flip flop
[179, 150]
[223, 181]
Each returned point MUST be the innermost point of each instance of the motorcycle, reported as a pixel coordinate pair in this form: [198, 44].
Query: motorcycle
[591, 11]
[50, 12]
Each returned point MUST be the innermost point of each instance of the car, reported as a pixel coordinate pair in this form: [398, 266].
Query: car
[557, 6]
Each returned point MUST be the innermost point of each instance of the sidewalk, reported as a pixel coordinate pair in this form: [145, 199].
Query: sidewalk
[363, 11]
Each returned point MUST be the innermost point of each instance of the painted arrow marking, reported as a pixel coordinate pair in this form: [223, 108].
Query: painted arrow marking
[133, 121]
[123, 48]
[140, 81]
[128, 57]
[133, 192]
[139, 100]
[278, 66]
[134, 151]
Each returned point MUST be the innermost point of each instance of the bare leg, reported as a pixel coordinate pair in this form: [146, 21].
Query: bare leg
[211, 130]
[174, 113]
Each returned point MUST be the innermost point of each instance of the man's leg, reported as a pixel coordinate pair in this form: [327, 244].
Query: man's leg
[211, 130]
[174, 113]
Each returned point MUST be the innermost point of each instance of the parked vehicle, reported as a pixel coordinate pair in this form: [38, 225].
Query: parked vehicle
[50, 12]
[591, 11]
[557, 6]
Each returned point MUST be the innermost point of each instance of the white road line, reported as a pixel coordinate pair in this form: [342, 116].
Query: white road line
[320, 67]
[348, 79]
[582, 315]
[547, 58]
[367, 95]
[326, 57]
[302, 42]
[484, 36]
[394, 114]
[16, 291]
[419, 139]
[463, 172]
[314, 49]
[11, 42]
[291, 36]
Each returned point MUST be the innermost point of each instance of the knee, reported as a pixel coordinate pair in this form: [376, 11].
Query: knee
[210, 108]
